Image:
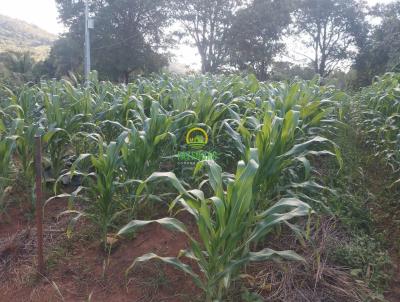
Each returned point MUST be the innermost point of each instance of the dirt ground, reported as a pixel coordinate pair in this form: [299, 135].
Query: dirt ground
[79, 270]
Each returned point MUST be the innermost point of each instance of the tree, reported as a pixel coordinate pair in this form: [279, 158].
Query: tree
[255, 35]
[66, 56]
[381, 52]
[16, 68]
[206, 23]
[334, 29]
[128, 34]
[18, 62]
[286, 71]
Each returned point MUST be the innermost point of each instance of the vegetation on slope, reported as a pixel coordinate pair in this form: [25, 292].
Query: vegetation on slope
[19, 36]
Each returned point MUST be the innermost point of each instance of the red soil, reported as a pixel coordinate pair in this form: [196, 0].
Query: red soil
[78, 268]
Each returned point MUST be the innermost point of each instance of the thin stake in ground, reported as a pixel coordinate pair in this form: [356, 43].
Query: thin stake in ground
[39, 204]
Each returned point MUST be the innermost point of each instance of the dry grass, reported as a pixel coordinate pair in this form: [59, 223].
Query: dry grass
[317, 280]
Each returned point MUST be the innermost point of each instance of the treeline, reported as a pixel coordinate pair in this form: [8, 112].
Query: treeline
[136, 36]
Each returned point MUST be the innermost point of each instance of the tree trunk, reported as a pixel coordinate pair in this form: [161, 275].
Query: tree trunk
[317, 40]
[205, 65]
[322, 65]
[126, 77]
[263, 75]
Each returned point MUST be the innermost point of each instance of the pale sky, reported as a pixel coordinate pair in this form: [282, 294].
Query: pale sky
[43, 13]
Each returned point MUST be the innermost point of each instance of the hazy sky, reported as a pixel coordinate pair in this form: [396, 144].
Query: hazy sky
[43, 13]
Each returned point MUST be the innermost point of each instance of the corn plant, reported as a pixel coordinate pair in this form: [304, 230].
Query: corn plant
[143, 150]
[24, 104]
[101, 185]
[24, 136]
[274, 128]
[20, 120]
[57, 141]
[7, 146]
[376, 114]
[135, 154]
[227, 225]
[281, 150]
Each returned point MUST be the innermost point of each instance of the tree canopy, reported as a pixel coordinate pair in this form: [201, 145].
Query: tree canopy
[381, 51]
[129, 35]
[137, 36]
[255, 36]
[334, 29]
[207, 23]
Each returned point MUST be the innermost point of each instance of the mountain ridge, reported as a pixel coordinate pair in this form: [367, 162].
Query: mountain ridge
[20, 36]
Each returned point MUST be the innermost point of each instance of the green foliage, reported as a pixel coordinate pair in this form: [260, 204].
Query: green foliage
[104, 140]
[207, 23]
[285, 71]
[16, 125]
[377, 116]
[25, 134]
[16, 68]
[133, 42]
[367, 258]
[381, 52]
[141, 153]
[7, 146]
[18, 62]
[65, 57]
[244, 35]
[227, 224]
[366, 196]
[102, 183]
[22, 46]
[332, 27]
[255, 35]
[284, 140]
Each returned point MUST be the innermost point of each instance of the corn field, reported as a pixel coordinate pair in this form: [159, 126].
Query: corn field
[377, 114]
[112, 151]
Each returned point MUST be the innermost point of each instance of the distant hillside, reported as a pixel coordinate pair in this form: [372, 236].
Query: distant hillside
[17, 35]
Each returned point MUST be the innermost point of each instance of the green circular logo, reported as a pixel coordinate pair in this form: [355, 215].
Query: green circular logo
[196, 138]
